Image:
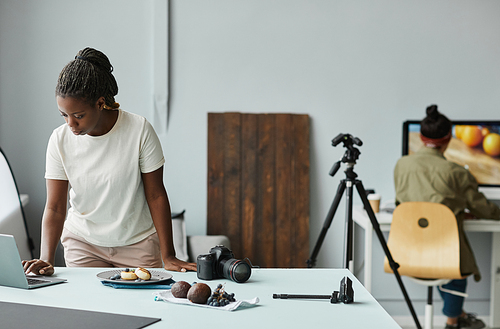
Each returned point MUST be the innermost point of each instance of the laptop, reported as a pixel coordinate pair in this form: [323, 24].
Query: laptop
[12, 274]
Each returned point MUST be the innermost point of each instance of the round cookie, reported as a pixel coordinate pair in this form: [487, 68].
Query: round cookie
[142, 273]
[128, 275]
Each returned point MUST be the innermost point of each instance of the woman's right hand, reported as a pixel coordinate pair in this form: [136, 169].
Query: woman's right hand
[38, 266]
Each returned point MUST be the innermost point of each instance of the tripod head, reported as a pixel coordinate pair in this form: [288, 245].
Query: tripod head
[351, 154]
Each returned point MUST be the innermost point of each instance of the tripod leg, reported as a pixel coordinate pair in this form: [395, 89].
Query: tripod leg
[326, 225]
[393, 264]
[348, 228]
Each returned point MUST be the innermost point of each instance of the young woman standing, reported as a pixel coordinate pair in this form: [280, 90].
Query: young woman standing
[111, 162]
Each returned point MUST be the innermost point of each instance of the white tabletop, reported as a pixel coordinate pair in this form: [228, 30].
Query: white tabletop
[384, 218]
[84, 291]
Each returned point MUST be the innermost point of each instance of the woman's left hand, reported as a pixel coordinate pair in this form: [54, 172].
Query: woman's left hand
[174, 264]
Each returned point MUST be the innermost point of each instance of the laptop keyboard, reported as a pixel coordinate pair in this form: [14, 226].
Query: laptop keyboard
[36, 281]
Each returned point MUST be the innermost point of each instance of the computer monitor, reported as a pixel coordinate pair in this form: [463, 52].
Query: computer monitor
[474, 145]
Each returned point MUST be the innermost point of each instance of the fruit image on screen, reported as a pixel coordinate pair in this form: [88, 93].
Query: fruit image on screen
[474, 146]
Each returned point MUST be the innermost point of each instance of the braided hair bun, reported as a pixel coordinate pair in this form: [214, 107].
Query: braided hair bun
[89, 77]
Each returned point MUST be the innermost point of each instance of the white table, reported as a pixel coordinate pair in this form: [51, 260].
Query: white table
[384, 219]
[84, 291]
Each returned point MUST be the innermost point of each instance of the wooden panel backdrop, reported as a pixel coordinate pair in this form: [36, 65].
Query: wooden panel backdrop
[258, 186]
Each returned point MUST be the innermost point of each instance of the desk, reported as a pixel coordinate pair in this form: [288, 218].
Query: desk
[384, 219]
[84, 291]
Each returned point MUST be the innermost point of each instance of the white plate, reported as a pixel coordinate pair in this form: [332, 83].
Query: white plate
[156, 277]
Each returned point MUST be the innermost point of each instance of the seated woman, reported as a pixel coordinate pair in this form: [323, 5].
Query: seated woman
[428, 176]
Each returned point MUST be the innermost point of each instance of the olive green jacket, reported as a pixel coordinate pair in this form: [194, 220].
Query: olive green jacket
[428, 176]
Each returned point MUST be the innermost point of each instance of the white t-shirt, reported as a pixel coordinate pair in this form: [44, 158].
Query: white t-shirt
[108, 206]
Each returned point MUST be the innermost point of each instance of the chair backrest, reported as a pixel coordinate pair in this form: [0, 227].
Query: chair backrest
[11, 213]
[424, 241]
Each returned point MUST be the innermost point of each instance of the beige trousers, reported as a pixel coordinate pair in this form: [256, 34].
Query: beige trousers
[80, 253]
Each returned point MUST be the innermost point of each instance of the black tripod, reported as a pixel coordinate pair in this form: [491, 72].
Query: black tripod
[350, 157]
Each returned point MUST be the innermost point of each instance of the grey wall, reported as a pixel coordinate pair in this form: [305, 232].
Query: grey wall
[359, 67]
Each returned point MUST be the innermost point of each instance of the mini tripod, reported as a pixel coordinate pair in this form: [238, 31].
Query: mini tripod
[344, 295]
[350, 157]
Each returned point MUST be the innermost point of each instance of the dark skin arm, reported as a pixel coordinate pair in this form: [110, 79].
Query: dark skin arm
[159, 206]
[53, 218]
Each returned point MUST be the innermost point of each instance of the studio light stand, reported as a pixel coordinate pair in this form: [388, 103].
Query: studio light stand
[350, 156]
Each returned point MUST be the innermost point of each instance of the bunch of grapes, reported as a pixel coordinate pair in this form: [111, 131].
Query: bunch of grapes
[220, 297]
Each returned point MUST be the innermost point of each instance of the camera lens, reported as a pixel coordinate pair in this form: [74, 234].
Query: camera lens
[236, 270]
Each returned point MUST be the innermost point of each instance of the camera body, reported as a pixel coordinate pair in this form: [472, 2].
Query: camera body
[220, 263]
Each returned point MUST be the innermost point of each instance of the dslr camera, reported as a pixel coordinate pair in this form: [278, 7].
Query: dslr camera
[220, 263]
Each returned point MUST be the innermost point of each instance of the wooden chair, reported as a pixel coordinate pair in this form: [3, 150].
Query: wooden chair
[424, 241]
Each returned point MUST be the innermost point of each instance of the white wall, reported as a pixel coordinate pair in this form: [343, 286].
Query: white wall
[359, 67]
[37, 38]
